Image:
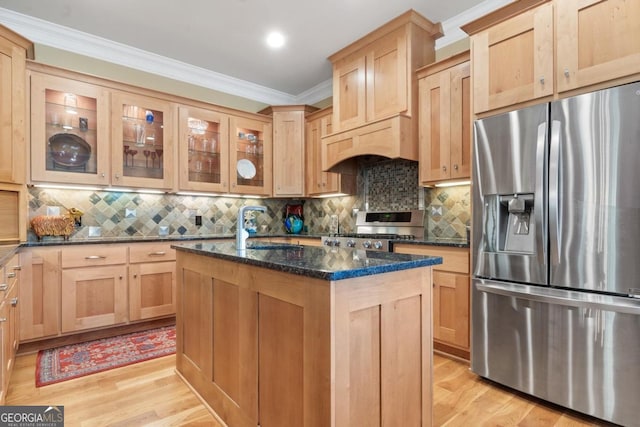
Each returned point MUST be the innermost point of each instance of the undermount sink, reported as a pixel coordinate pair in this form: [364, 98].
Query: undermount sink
[280, 246]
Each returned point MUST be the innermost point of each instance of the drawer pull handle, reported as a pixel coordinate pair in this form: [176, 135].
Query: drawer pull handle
[14, 302]
[17, 267]
[4, 287]
[157, 253]
[11, 275]
[3, 319]
[95, 257]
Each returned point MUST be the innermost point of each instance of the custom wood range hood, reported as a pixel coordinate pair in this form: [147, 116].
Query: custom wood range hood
[375, 93]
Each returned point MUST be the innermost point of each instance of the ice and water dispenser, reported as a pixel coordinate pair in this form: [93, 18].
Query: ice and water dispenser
[509, 224]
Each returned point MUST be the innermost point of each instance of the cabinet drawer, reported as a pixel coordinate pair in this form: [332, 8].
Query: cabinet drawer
[453, 259]
[150, 252]
[88, 255]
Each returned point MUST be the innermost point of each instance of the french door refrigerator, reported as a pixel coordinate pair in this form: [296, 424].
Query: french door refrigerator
[556, 244]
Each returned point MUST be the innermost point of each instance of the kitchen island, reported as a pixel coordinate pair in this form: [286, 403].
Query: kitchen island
[288, 335]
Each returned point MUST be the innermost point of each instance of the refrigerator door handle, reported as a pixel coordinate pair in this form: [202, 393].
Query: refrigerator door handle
[562, 297]
[539, 211]
[554, 192]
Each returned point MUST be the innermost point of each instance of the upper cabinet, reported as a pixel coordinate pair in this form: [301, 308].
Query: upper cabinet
[250, 154]
[596, 41]
[203, 150]
[69, 131]
[142, 137]
[529, 50]
[318, 182]
[375, 91]
[289, 149]
[445, 120]
[14, 50]
[513, 60]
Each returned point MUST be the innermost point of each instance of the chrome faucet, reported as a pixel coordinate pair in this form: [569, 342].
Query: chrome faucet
[241, 233]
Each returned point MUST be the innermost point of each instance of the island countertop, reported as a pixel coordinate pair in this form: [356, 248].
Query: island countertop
[323, 262]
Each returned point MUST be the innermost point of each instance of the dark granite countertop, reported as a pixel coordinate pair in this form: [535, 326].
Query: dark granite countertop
[456, 243]
[319, 262]
[6, 252]
[53, 241]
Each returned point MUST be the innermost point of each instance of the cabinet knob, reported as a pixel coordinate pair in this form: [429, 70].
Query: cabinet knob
[542, 80]
[566, 72]
[455, 167]
[3, 319]
[102, 175]
[11, 275]
[14, 302]
[135, 276]
[117, 176]
[4, 287]
[444, 168]
[17, 267]
[120, 277]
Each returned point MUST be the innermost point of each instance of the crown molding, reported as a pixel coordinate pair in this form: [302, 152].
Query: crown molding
[451, 27]
[60, 37]
[64, 38]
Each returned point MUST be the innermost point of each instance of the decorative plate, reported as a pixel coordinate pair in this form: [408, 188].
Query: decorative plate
[246, 169]
[69, 150]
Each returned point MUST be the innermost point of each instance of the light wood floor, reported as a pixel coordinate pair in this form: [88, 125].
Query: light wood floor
[150, 393]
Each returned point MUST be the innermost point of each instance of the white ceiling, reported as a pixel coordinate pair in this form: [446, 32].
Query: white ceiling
[219, 44]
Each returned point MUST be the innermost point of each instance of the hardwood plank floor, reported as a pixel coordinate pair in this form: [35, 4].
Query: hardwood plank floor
[151, 394]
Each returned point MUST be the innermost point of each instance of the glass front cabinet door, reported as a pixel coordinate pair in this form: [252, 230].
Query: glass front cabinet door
[69, 131]
[142, 150]
[203, 150]
[250, 156]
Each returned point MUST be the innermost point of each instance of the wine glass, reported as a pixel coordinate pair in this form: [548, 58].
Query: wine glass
[146, 157]
[126, 154]
[133, 154]
[153, 159]
[159, 151]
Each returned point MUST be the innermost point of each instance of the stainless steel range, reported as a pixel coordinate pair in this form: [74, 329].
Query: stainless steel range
[374, 230]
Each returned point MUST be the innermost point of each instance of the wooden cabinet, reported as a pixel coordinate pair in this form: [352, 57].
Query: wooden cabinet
[530, 50]
[69, 131]
[14, 50]
[142, 141]
[289, 149]
[262, 347]
[596, 41]
[40, 293]
[375, 91]
[152, 281]
[451, 296]
[94, 287]
[317, 181]
[9, 320]
[203, 159]
[513, 60]
[445, 120]
[250, 156]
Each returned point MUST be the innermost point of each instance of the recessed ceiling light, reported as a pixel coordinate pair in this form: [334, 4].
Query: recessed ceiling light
[275, 39]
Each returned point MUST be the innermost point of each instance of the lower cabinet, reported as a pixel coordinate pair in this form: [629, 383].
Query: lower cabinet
[93, 297]
[451, 295]
[40, 293]
[152, 281]
[71, 288]
[9, 321]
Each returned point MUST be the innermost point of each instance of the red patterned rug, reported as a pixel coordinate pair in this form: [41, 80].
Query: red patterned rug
[77, 360]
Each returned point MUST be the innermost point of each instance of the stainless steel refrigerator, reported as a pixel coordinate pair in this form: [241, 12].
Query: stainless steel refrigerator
[556, 244]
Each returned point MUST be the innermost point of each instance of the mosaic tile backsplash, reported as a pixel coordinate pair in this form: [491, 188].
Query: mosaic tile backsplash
[390, 185]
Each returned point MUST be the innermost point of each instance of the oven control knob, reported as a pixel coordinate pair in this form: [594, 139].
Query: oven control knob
[378, 245]
[336, 242]
[351, 243]
[367, 244]
[327, 242]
